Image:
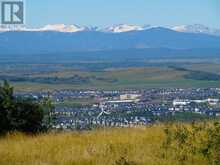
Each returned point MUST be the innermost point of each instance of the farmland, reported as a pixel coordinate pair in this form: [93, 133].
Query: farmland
[100, 75]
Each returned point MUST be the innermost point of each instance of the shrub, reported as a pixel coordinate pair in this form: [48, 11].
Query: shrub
[198, 139]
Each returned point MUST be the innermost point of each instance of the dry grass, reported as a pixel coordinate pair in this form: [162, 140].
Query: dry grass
[133, 146]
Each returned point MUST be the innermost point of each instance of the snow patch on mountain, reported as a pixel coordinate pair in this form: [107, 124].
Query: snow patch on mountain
[196, 28]
[54, 27]
[125, 28]
[62, 28]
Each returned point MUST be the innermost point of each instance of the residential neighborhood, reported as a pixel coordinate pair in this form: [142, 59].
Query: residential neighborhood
[85, 109]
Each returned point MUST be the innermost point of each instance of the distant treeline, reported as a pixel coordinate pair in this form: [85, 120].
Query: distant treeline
[76, 79]
[198, 75]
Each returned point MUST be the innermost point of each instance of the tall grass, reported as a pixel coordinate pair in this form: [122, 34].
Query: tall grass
[133, 146]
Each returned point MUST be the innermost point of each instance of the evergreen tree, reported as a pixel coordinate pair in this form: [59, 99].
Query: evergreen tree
[22, 114]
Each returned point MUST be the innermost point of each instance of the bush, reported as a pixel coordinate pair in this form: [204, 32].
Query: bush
[19, 114]
[199, 139]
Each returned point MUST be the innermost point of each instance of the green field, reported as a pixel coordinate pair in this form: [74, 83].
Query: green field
[107, 78]
[213, 68]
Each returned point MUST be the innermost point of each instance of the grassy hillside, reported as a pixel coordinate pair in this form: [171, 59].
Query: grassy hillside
[154, 145]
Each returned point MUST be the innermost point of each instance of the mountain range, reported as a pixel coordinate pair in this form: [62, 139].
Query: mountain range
[72, 38]
[120, 28]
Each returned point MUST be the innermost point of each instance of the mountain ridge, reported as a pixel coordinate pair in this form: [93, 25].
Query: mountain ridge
[36, 42]
[118, 28]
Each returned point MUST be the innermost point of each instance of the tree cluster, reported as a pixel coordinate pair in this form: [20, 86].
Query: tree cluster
[19, 114]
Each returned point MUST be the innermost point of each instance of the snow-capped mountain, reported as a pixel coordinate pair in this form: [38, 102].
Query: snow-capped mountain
[63, 28]
[196, 28]
[154, 40]
[121, 28]
[54, 27]
[6, 29]
[125, 28]
[75, 28]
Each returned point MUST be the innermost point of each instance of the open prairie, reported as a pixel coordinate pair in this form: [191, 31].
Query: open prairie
[102, 75]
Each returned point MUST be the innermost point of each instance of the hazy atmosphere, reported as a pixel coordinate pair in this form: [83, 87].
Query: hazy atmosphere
[105, 13]
[117, 82]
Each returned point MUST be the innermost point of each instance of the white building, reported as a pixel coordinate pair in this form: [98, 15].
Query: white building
[180, 102]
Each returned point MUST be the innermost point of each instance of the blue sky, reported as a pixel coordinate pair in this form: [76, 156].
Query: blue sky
[108, 12]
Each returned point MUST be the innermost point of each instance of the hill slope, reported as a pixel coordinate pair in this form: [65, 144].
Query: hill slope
[134, 146]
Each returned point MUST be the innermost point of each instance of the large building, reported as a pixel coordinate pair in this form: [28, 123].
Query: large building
[129, 96]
